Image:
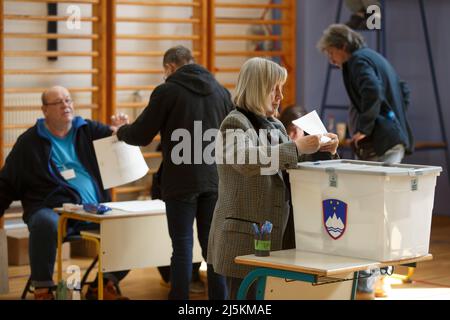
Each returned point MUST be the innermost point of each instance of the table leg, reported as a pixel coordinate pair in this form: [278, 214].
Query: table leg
[62, 222]
[99, 263]
[406, 278]
[100, 272]
[247, 282]
[354, 285]
[409, 275]
[261, 274]
[260, 288]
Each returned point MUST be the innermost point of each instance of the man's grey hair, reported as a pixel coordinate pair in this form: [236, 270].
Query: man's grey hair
[178, 55]
[341, 37]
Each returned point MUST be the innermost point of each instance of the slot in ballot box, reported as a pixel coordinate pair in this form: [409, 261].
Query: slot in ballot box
[363, 209]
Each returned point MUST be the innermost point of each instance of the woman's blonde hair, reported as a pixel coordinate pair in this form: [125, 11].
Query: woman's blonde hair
[257, 78]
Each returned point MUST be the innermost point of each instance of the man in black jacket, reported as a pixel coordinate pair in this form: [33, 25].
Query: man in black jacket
[377, 115]
[53, 163]
[185, 107]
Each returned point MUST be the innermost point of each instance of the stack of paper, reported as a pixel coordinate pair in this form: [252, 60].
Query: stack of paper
[139, 206]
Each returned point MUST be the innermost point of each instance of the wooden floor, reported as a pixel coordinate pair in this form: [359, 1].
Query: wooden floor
[431, 280]
[140, 284]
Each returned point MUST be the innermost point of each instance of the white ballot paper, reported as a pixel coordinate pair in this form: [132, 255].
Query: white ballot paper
[312, 124]
[149, 206]
[119, 162]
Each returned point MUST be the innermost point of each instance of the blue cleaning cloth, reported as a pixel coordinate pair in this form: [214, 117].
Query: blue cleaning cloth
[96, 208]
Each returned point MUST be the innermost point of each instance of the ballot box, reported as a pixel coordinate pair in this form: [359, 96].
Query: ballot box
[363, 209]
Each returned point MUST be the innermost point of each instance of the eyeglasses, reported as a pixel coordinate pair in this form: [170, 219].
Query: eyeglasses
[66, 101]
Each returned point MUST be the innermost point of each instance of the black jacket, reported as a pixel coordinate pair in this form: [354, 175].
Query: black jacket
[190, 94]
[30, 176]
[379, 100]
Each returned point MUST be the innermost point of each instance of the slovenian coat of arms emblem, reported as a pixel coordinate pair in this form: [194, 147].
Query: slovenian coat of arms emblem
[334, 217]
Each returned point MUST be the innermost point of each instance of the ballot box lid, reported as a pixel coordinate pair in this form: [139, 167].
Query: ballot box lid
[368, 168]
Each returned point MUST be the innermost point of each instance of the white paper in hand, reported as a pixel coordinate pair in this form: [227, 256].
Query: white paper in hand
[119, 162]
[311, 124]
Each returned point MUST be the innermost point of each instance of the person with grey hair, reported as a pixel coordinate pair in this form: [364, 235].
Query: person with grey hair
[190, 103]
[379, 100]
[247, 193]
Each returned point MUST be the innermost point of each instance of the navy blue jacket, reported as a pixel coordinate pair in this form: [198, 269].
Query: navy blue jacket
[30, 176]
[379, 100]
[189, 95]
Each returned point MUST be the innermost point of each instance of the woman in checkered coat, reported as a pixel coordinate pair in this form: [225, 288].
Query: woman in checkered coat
[252, 150]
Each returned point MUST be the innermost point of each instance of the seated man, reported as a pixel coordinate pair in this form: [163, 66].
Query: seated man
[54, 163]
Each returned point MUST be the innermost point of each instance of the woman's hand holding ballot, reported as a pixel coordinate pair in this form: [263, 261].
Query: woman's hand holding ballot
[330, 146]
[308, 144]
[313, 143]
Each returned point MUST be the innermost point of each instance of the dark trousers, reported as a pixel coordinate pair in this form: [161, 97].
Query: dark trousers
[43, 227]
[181, 213]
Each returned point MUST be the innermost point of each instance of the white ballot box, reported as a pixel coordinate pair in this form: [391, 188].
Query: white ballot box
[363, 209]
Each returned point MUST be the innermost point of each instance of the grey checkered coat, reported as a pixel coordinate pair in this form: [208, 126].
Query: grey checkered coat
[246, 196]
